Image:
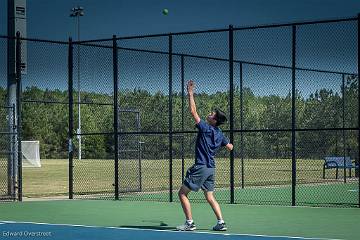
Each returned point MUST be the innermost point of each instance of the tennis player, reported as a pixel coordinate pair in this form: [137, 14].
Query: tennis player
[202, 174]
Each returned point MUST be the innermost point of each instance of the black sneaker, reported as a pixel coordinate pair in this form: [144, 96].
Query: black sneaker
[220, 227]
[186, 227]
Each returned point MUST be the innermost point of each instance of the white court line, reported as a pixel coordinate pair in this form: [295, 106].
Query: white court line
[170, 231]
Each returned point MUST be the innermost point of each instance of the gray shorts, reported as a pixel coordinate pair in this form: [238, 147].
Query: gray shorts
[200, 176]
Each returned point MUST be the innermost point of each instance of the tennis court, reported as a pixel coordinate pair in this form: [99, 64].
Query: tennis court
[97, 219]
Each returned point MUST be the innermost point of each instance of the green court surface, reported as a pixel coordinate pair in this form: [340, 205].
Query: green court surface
[308, 222]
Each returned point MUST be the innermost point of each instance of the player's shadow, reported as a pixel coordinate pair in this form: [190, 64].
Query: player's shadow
[161, 226]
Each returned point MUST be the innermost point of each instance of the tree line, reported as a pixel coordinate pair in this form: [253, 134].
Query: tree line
[45, 118]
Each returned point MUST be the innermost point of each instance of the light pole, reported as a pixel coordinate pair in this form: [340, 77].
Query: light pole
[78, 12]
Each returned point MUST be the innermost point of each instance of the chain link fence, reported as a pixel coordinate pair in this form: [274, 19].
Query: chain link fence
[6, 181]
[44, 117]
[6, 137]
[290, 92]
[327, 111]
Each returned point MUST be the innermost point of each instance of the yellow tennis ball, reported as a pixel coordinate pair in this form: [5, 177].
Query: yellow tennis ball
[165, 11]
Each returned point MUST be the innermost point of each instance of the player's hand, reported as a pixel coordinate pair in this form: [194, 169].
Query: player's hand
[190, 86]
[230, 147]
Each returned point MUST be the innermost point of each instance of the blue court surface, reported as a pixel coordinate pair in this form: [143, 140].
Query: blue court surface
[31, 231]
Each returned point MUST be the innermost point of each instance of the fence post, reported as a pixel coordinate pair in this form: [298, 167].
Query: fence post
[18, 110]
[182, 116]
[343, 123]
[242, 126]
[116, 117]
[170, 122]
[358, 72]
[71, 118]
[231, 95]
[293, 118]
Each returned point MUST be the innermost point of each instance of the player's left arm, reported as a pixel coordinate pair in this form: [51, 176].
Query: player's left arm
[229, 146]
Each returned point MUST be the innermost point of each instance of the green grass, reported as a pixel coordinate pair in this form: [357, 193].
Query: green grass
[266, 180]
[155, 173]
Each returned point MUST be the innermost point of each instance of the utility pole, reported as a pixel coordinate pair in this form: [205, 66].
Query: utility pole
[16, 24]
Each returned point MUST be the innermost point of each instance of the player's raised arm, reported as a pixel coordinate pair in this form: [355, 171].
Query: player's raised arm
[192, 105]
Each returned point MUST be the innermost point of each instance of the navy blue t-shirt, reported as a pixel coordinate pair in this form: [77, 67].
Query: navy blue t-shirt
[208, 142]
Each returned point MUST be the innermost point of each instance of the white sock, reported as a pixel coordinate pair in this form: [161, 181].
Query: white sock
[221, 221]
[190, 221]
